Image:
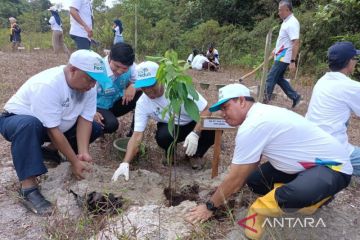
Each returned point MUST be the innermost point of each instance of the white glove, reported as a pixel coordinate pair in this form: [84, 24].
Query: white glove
[123, 169]
[191, 142]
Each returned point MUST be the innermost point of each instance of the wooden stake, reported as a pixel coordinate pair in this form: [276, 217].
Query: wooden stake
[216, 157]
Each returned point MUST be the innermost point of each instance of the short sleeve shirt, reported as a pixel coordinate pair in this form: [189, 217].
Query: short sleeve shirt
[289, 31]
[147, 108]
[290, 142]
[48, 97]
[85, 11]
[335, 96]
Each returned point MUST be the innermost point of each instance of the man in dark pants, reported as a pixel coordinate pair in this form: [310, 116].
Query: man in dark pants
[306, 166]
[151, 105]
[119, 98]
[56, 105]
[285, 52]
[81, 23]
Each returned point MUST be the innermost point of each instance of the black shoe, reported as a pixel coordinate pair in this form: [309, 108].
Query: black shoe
[36, 203]
[50, 155]
[296, 101]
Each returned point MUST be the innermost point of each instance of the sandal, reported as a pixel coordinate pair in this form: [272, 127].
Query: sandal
[36, 203]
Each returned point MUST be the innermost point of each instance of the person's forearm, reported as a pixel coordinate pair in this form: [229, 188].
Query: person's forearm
[295, 49]
[133, 146]
[62, 144]
[226, 188]
[75, 14]
[83, 133]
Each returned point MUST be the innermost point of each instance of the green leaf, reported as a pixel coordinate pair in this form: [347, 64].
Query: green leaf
[193, 93]
[192, 109]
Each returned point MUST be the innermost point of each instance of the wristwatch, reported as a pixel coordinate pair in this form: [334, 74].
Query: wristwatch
[210, 206]
[293, 61]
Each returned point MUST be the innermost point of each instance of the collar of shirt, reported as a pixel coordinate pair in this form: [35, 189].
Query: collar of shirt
[288, 17]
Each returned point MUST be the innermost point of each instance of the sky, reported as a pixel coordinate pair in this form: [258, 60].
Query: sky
[66, 3]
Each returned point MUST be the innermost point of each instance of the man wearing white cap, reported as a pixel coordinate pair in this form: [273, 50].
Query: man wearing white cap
[56, 105]
[305, 168]
[151, 105]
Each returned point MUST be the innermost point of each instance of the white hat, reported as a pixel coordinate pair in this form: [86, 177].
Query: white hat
[146, 74]
[228, 92]
[91, 63]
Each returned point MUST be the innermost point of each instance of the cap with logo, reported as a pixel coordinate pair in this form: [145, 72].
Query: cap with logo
[92, 64]
[146, 74]
[340, 53]
[228, 92]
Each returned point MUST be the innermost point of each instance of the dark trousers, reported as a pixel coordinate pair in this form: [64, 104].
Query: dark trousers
[111, 124]
[299, 190]
[276, 76]
[81, 42]
[27, 134]
[164, 139]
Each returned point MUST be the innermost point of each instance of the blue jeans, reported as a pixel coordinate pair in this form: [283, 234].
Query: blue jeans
[276, 76]
[355, 161]
[27, 134]
[81, 42]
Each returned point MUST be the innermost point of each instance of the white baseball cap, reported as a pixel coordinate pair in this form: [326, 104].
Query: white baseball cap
[92, 64]
[146, 74]
[228, 92]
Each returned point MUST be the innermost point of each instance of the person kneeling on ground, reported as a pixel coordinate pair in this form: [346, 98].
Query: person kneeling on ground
[213, 55]
[192, 56]
[306, 166]
[201, 62]
[335, 96]
[151, 105]
[119, 98]
[56, 105]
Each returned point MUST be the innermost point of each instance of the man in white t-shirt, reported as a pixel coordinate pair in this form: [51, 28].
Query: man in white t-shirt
[285, 53]
[200, 62]
[308, 163]
[151, 105]
[56, 105]
[81, 23]
[335, 96]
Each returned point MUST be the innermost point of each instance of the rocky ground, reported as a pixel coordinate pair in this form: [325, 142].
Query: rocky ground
[145, 213]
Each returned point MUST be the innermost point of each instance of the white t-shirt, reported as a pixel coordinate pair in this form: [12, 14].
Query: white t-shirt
[53, 24]
[214, 53]
[333, 99]
[291, 143]
[48, 97]
[85, 11]
[117, 31]
[290, 30]
[198, 61]
[152, 108]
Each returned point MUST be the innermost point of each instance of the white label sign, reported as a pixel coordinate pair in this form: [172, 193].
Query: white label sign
[216, 123]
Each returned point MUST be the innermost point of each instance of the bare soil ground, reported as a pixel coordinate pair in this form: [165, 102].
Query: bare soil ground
[149, 176]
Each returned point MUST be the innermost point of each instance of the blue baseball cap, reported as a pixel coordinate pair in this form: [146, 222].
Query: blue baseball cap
[340, 53]
[92, 64]
[146, 74]
[228, 92]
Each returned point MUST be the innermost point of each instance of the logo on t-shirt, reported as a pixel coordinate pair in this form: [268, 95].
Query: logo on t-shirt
[66, 103]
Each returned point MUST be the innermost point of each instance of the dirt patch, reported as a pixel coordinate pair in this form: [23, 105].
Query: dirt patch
[188, 192]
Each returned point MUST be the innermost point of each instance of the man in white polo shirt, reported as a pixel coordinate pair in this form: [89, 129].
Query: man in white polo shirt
[81, 23]
[335, 96]
[151, 105]
[56, 105]
[285, 53]
[307, 165]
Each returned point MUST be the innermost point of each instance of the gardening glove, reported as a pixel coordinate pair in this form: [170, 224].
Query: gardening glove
[191, 143]
[123, 169]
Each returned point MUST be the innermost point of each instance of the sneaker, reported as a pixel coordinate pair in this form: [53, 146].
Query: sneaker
[36, 203]
[296, 101]
[50, 155]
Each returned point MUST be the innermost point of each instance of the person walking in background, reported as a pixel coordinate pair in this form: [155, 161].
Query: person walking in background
[57, 32]
[285, 53]
[118, 29]
[15, 33]
[81, 23]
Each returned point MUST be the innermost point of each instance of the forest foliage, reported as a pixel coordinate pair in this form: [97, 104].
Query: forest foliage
[237, 27]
